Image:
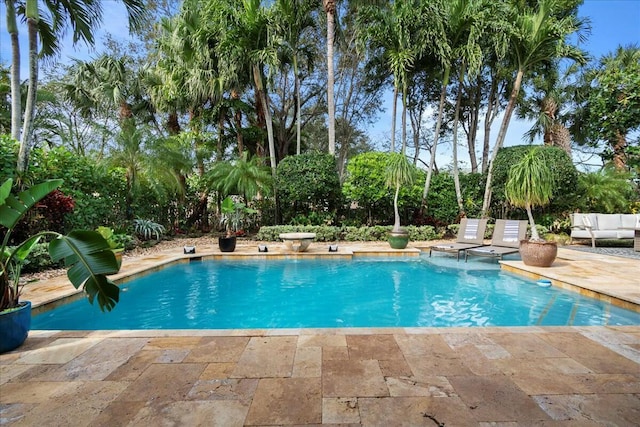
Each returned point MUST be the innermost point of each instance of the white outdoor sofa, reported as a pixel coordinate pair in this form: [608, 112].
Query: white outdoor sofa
[596, 226]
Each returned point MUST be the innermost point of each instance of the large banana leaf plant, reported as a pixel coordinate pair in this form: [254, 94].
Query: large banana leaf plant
[86, 254]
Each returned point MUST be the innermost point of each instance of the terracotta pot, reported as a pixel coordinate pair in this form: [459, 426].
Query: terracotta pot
[538, 254]
[398, 239]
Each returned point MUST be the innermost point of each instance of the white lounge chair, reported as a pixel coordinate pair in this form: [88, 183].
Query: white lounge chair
[470, 235]
[505, 240]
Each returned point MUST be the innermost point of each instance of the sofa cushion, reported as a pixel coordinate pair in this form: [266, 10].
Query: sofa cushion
[609, 221]
[630, 221]
[577, 233]
[625, 234]
[606, 234]
[584, 220]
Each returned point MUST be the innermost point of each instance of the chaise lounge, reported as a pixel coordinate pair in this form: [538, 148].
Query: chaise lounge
[505, 240]
[470, 235]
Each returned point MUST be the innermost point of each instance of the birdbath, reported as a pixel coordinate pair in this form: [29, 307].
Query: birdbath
[297, 242]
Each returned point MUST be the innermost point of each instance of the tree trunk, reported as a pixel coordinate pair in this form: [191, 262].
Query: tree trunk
[298, 106]
[404, 121]
[331, 105]
[394, 114]
[500, 140]
[473, 124]
[415, 128]
[257, 78]
[534, 231]
[432, 162]
[27, 129]
[456, 172]
[619, 151]
[396, 212]
[492, 107]
[16, 99]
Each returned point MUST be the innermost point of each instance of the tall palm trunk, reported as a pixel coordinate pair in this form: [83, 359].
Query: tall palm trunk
[25, 142]
[456, 172]
[432, 162]
[619, 151]
[16, 100]
[404, 119]
[492, 108]
[500, 140]
[257, 79]
[296, 83]
[330, 9]
[394, 114]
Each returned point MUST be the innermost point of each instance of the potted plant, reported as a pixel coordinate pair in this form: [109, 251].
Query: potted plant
[530, 184]
[233, 217]
[398, 173]
[86, 254]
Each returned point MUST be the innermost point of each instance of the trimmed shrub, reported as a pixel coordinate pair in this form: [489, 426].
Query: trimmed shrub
[365, 188]
[349, 234]
[565, 197]
[307, 183]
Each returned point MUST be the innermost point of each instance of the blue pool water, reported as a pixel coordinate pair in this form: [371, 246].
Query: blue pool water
[367, 292]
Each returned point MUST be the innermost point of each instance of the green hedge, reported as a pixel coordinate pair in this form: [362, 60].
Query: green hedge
[349, 234]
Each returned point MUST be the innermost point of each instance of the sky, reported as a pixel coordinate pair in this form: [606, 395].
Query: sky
[613, 23]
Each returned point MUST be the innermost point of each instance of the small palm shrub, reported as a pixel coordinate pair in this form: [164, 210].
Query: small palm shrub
[145, 229]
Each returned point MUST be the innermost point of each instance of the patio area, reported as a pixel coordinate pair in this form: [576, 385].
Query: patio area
[564, 376]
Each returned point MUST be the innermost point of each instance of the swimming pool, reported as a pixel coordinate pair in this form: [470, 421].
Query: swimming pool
[328, 293]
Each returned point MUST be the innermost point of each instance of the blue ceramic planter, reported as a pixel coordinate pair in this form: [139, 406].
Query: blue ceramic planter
[14, 327]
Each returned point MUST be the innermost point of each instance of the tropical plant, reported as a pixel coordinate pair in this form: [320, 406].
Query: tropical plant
[111, 238]
[539, 36]
[293, 21]
[565, 177]
[86, 254]
[609, 105]
[234, 215]
[530, 184]
[607, 191]
[83, 16]
[330, 10]
[399, 172]
[244, 176]
[146, 228]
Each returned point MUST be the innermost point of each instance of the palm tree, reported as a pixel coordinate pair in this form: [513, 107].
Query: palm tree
[244, 176]
[293, 18]
[468, 22]
[82, 16]
[16, 99]
[539, 36]
[399, 34]
[399, 172]
[530, 184]
[330, 10]
[247, 45]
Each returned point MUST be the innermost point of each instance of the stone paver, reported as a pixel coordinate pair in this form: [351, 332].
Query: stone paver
[563, 376]
[560, 376]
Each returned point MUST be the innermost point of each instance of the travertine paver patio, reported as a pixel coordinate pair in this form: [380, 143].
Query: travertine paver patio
[560, 376]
